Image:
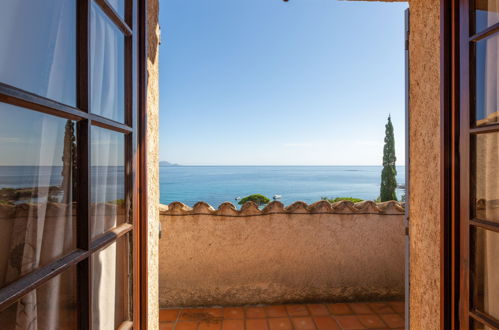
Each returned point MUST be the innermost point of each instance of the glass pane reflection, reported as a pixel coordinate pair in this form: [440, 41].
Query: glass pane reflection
[119, 6]
[38, 52]
[487, 177]
[107, 61]
[487, 74]
[111, 285]
[108, 180]
[485, 275]
[37, 190]
[52, 306]
[486, 13]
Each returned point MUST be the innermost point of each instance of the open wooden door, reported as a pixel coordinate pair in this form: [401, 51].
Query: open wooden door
[479, 164]
[69, 162]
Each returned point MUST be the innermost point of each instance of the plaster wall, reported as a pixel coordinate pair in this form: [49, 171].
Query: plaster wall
[425, 187]
[322, 252]
[152, 141]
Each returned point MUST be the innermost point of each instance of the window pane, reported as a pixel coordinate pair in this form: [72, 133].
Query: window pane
[38, 47]
[484, 271]
[37, 203]
[118, 5]
[111, 287]
[487, 88]
[487, 176]
[52, 306]
[486, 13]
[108, 180]
[107, 67]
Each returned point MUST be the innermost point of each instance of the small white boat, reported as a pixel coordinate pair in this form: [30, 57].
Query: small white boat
[276, 197]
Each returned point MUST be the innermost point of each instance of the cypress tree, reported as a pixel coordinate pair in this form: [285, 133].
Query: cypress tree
[389, 173]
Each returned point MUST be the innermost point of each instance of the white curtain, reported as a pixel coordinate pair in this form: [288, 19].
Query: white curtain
[106, 57]
[104, 217]
[107, 168]
[107, 212]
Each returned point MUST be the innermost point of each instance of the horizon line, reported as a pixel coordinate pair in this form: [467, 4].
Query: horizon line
[180, 165]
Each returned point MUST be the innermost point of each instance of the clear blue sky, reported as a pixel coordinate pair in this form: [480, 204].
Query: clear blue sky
[267, 82]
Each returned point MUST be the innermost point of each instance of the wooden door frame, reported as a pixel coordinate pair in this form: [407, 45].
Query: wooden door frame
[142, 230]
[449, 164]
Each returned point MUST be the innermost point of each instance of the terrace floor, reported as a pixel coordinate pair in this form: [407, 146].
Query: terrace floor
[371, 315]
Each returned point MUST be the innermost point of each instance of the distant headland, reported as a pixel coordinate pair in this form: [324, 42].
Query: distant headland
[165, 163]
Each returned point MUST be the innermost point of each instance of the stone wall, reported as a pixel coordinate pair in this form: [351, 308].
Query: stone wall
[322, 252]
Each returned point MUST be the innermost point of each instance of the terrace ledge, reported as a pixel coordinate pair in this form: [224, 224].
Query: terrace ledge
[251, 209]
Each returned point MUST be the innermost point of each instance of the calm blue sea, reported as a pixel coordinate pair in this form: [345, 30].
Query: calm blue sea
[218, 184]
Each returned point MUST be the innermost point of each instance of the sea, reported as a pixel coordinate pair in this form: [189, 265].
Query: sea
[218, 184]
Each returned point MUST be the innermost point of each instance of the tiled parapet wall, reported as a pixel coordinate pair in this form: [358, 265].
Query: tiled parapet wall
[251, 209]
[321, 252]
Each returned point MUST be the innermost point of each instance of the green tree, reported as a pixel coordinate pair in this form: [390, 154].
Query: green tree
[389, 173]
[257, 198]
[339, 199]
